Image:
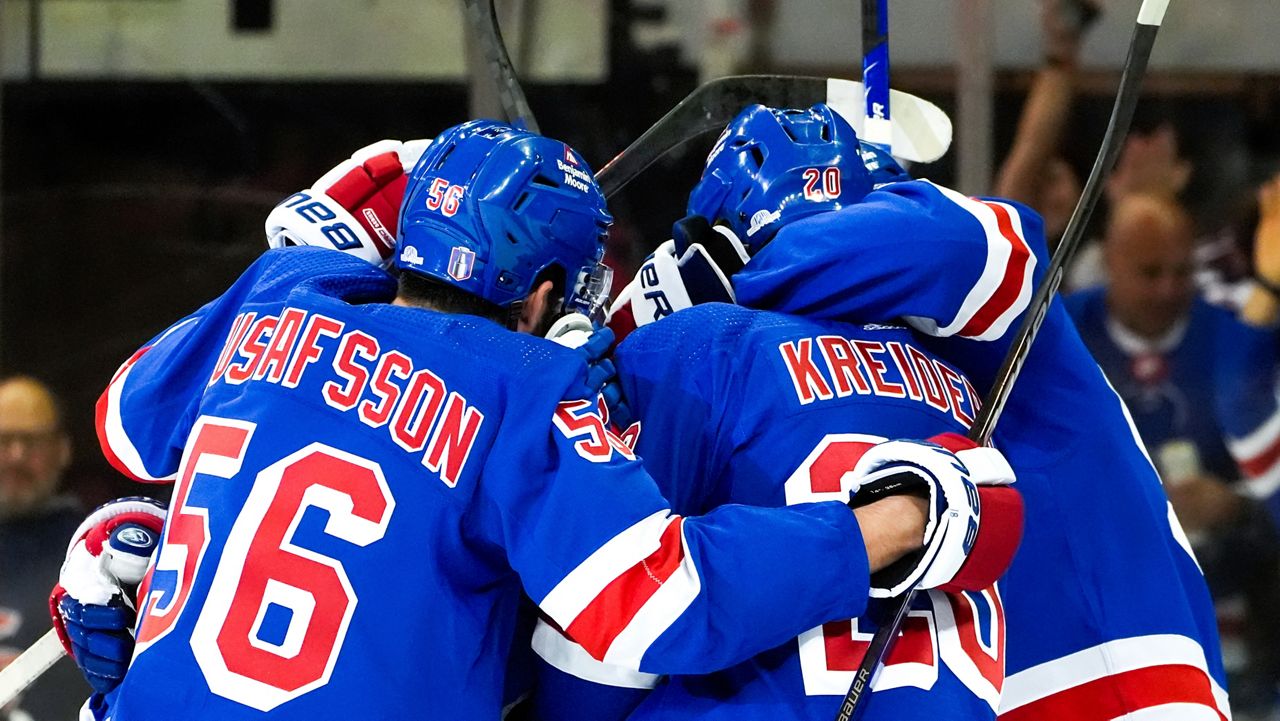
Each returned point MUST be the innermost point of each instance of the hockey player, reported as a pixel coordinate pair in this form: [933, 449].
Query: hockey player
[769, 409]
[367, 476]
[1107, 611]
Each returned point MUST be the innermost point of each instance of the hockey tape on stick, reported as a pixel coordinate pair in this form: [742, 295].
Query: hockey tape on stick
[31, 665]
[922, 131]
[1150, 16]
[484, 23]
[875, 75]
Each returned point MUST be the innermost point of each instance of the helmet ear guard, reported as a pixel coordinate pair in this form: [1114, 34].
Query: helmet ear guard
[771, 166]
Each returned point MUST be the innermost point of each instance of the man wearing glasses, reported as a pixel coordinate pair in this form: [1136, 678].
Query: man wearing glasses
[35, 522]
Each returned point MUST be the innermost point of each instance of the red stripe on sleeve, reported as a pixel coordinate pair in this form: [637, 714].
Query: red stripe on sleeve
[610, 612]
[1010, 285]
[100, 418]
[1114, 696]
[1260, 463]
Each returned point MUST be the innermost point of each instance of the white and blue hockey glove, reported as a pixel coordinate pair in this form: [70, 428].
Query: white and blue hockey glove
[93, 606]
[576, 331]
[975, 519]
[354, 208]
[695, 266]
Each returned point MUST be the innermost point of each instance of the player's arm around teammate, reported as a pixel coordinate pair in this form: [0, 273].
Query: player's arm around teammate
[963, 270]
[632, 582]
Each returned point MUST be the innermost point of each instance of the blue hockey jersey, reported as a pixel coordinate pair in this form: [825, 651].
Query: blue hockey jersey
[1107, 610]
[363, 492]
[1211, 382]
[744, 406]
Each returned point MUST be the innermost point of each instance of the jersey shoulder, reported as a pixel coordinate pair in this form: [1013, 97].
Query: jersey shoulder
[281, 272]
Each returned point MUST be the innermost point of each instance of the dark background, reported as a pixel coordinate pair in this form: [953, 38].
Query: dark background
[128, 204]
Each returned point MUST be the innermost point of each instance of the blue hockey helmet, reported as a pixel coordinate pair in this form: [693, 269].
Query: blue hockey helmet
[489, 207]
[771, 166]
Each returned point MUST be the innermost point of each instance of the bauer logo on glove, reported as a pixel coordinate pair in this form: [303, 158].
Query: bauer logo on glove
[354, 208]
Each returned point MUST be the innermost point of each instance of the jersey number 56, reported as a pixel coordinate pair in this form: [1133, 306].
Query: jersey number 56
[275, 615]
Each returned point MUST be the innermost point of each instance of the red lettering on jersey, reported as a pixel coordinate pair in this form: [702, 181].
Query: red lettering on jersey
[631, 436]
[837, 459]
[273, 362]
[309, 350]
[904, 368]
[876, 368]
[954, 386]
[601, 441]
[989, 662]
[238, 329]
[394, 362]
[805, 376]
[846, 646]
[416, 414]
[252, 348]
[454, 437]
[843, 365]
[975, 399]
[931, 383]
[595, 447]
[355, 343]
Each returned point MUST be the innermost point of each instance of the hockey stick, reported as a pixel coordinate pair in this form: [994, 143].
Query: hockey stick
[875, 73]
[1150, 15]
[31, 665]
[922, 133]
[489, 35]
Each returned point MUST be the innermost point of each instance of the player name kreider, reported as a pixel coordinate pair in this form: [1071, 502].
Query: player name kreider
[830, 366]
[381, 386]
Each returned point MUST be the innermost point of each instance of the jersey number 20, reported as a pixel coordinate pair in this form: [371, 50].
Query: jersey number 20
[262, 576]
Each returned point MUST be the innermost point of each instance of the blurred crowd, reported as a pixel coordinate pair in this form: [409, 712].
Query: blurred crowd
[1181, 312]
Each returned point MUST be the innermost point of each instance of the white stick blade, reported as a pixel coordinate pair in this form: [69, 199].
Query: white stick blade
[921, 130]
[31, 665]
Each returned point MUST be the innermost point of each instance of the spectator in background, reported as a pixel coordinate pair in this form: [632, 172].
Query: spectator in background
[1035, 172]
[1200, 385]
[35, 523]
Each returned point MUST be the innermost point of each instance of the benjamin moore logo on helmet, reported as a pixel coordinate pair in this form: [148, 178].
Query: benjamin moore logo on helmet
[410, 255]
[575, 177]
[760, 219]
[461, 262]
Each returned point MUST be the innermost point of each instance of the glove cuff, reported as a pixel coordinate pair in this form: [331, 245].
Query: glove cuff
[999, 534]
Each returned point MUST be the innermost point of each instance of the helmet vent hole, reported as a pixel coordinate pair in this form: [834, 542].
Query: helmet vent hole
[522, 201]
[445, 156]
[544, 181]
[825, 133]
[758, 154]
[513, 239]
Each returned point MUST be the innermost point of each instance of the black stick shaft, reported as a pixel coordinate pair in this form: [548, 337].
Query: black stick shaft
[484, 23]
[1144, 36]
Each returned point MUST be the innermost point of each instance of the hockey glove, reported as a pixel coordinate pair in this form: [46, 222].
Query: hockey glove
[93, 605]
[882, 166]
[975, 519]
[576, 331]
[694, 267]
[354, 208]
